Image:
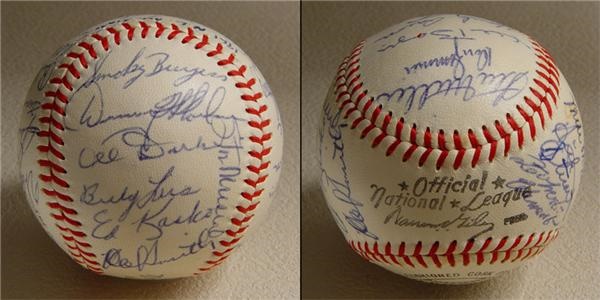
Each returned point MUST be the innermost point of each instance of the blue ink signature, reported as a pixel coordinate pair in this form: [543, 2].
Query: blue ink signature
[31, 186]
[423, 23]
[29, 132]
[503, 35]
[44, 75]
[156, 223]
[575, 115]
[494, 87]
[149, 255]
[556, 158]
[341, 188]
[229, 171]
[483, 58]
[148, 65]
[497, 86]
[159, 191]
[194, 104]
[89, 158]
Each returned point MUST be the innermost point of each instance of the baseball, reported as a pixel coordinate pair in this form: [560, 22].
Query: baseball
[451, 148]
[150, 147]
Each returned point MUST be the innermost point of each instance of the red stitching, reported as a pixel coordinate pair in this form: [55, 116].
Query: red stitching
[255, 112]
[161, 29]
[58, 95]
[52, 178]
[260, 155]
[62, 81]
[251, 197]
[349, 90]
[441, 257]
[254, 183]
[253, 97]
[261, 139]
[232, 233]
[238, 72]
[174, 32]
[71, 68]
[245, 85]
[228, 244]
[240, 222]
[76, 247]
[64, 209]
[50, 149]
[64, 215]
[116, 35]
[80, 57]
[89, 48]
[73, 232]
[218, 50]
[145, 29]
[54, 193]
[48, 163]
[260, 125]
[190, 36]
[130, 30]
[49, 133]
[54, 123]
[202, 43]
[73, 239]
[228, 61]
[256, 170]
[103, 40]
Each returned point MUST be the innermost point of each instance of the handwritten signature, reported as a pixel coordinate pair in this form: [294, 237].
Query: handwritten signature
[340, 188]
[494, 87]
[197, 104]
[552, 169]
[160, 191]
[144, 65]
[462, 221]
[29, 132]
[151, 256]
[455, 59]
[395, 38]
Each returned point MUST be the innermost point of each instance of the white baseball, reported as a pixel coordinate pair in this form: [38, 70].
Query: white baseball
[451, 148]
[150, 146]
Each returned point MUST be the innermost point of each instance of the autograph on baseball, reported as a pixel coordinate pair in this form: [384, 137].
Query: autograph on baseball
[160, 147]
[450, 148]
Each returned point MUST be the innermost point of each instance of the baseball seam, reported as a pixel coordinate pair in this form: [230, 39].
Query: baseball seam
[490, 251]
[445, 146]
[58, 89]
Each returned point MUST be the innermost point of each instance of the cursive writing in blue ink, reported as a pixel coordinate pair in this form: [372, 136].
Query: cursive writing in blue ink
[494, 87]
[30, 130]
[155, 222]
[144, 65]
[552, 169]
[483, 58]
[340, 188]
[196, 104]
[150, 256]
[160, 190]
[89, 158]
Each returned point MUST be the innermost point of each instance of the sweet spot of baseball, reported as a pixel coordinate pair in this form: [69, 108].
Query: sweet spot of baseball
[451, 148]
[150, 148]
